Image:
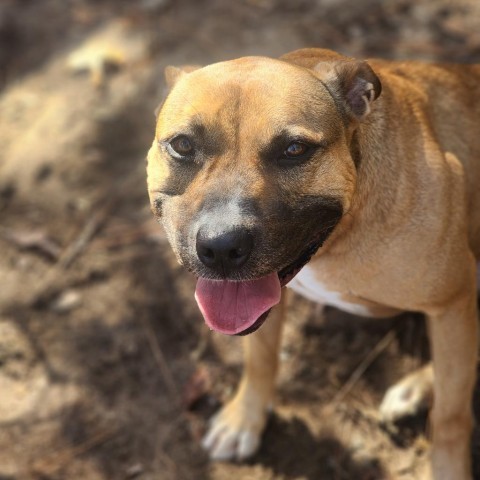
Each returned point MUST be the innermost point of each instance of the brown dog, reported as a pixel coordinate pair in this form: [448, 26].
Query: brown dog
[370, 172]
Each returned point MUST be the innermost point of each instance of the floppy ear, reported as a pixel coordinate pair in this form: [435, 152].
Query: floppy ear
[174, 74]
[354, 83]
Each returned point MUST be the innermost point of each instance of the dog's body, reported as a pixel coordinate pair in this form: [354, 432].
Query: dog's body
[259, 164]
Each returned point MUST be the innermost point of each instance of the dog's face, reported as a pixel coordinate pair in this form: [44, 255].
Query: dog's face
[251, 167]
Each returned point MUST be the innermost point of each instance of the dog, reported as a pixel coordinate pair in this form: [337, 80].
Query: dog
[355, 183]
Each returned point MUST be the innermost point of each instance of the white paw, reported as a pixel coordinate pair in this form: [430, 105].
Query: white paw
[235, 432]
[408, 397]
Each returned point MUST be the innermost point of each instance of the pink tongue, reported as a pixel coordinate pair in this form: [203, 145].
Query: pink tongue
[232, 307]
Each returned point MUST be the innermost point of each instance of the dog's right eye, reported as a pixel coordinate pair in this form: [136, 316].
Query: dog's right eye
[180, 147]
[296, 150]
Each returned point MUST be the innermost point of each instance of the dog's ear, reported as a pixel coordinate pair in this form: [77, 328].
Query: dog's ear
[354, 83]
[174, 74]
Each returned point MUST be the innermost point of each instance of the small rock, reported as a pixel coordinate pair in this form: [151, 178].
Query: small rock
[134, 470]
[66, 301]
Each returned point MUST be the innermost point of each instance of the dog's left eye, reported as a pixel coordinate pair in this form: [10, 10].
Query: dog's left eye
[180, 147]
[296, 149]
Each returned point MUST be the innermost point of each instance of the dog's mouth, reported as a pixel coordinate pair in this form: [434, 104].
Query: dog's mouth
[241, 307]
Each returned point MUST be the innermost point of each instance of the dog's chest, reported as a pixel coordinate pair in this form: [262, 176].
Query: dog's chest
[310, 286]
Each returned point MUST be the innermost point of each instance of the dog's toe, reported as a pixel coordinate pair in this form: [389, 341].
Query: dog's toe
[409, 396]
[224, 446]
[232, 445]
[234, 433]
[248, 444]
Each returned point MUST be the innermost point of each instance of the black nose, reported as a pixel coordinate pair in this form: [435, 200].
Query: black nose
[225, 252]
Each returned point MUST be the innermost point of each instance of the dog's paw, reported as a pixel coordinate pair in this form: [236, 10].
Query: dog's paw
[409, 396]
[235, 431]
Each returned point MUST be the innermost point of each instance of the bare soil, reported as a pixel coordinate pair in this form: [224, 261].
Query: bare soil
[106, 368]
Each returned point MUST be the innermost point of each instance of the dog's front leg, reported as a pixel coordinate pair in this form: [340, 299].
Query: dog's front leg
[236, 430]
[453, 336]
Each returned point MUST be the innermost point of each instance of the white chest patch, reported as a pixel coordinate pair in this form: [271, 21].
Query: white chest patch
[307, 285]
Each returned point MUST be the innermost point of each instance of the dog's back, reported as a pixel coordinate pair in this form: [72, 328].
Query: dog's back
[446, 97]
[449, 98]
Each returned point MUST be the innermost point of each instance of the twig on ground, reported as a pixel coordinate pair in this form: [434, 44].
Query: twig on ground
[363, 366]
[54, 278]
[61, 458]
[90, 229]
[161, 363]
[169, 466]
[32, 240]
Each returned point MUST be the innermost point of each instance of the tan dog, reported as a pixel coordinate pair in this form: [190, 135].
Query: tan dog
[368, 172]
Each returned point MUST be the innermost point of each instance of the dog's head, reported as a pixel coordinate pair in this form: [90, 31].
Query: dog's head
[250, 171]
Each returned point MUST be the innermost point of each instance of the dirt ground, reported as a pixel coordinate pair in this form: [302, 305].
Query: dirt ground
[106, 368]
